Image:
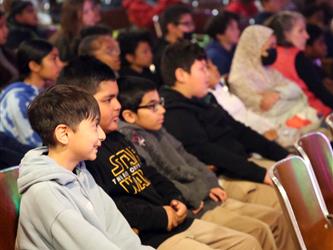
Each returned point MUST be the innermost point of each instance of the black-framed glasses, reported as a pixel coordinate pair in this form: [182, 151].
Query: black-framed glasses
[187, 24]
[153, 106]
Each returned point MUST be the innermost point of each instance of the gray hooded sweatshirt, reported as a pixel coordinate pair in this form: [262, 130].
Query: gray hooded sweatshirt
[63, 210]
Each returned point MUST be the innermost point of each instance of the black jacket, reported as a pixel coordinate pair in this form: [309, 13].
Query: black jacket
[19, 33]
[11, 151]
[139, 191]
[313, 78]
[210, 133]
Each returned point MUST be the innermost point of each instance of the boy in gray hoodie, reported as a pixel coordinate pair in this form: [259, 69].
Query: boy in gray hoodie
[143, 113]
[62, 207]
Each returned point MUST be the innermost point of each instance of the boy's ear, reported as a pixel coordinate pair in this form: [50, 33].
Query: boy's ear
[33, 66]
[129, 116]
[129, 58]
[180, 75]
[61, 134]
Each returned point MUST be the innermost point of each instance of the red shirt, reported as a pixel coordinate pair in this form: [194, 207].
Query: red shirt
[285, 64]
[242, 9]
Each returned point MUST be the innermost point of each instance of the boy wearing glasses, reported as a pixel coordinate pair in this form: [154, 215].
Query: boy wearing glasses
[151, 204]
[176, 24]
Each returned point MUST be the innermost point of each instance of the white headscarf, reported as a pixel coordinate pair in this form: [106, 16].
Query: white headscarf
[248, 78]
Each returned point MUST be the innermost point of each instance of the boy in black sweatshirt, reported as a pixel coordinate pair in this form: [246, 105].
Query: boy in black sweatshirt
[150, 202]
[207, 131]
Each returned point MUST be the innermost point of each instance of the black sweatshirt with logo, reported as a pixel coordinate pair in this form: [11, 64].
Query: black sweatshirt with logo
[138, 190]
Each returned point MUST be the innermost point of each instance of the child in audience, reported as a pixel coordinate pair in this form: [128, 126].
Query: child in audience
[236, 108]
[224, 32]
[62, 207]
[143, 113]
[8, 70]
[75, 15]
[39, 65]
[136, 55]
[150, 202]
[104, 48]
[176, 24]
[209, 132]
[314, 54]
[23, 24]
[269, 8]
[290, 30]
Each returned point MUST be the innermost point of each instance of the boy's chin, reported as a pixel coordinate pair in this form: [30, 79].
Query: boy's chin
[92, 157]
[201, 95]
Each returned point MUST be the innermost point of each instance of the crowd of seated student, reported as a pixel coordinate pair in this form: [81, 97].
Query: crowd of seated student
[138, 190]
[166, 162]
[143, 112]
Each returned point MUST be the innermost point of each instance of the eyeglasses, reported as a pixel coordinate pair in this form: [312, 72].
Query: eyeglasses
[113, 52]
[187, 24]
[153, 106]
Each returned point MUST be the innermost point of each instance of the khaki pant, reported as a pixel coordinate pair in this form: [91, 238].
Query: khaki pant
[252, 192]
[266, 224]
[202, 235]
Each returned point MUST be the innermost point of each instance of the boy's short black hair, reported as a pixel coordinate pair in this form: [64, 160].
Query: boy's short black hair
[181, 54]
[218, 24]
[17, 7]
[129, 41]
[61, 104]
[173, 15]
[87, 73]
[131, 91]
[315, 32]
[95, 30]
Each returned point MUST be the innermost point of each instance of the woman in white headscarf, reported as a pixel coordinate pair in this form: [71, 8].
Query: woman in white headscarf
[263, 89]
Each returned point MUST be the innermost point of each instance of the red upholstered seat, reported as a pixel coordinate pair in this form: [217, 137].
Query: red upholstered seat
[9, 207]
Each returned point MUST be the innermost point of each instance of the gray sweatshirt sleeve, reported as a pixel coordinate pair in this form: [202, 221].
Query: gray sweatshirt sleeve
[71, 231]
[193, 161]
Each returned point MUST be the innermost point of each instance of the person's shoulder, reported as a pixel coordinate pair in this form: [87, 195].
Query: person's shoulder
[213, 45]
[46, 192]
[17, 90]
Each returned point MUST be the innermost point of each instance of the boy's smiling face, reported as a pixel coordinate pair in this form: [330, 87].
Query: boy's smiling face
[85, 139]
[150, 113]
[109, 105]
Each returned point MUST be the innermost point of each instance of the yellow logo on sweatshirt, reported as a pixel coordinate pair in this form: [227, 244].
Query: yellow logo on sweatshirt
[126, 170]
